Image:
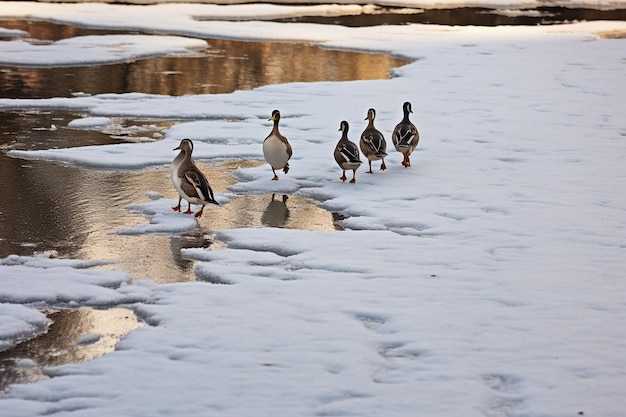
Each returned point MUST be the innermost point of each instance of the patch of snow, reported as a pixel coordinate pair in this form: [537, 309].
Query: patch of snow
[487, 279]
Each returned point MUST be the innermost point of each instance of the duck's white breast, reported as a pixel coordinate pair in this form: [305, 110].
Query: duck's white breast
[275, 152]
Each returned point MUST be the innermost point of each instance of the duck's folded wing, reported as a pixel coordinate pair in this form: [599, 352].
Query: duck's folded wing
[196, 180]
[374, 140]
[349, 152]
[403, 135]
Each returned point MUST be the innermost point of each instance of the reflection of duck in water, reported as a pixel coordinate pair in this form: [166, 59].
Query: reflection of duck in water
[276, 213]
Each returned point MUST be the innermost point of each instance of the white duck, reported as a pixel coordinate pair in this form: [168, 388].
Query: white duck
[276, 148]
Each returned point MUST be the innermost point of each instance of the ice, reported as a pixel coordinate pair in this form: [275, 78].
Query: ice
[90, 123]
[18, 323]
[485, 280]
[104, 49]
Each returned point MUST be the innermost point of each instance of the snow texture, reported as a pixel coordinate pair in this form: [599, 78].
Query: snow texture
[485, 280]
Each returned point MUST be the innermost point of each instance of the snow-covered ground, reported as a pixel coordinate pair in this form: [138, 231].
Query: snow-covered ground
[485, 280]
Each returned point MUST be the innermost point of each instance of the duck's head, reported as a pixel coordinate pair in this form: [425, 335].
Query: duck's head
[185, 145]
[275, 116]
[371, 114]
[407, 107]
[343, 126]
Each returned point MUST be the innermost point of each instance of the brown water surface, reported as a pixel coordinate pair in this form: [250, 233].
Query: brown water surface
[73, 336]
[465, 16]
[226, 66]
[72, 212]
[78, 213]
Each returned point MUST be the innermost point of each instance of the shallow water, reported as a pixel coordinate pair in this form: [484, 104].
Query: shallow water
[78, 213]
[225, 67]
[465, 16]
[73, 336]
[72, 212]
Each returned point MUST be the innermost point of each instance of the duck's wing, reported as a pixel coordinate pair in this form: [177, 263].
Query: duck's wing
[404, 134]
[347, 152]
[374, 140]
[198, 186]
[289, 149]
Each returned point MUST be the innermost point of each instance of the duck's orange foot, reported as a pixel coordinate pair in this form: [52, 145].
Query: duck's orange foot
[275, 178]
[383, 166]
[188, 211]
[199, 213]
[353, 180]
[176, 208]
[343, 177]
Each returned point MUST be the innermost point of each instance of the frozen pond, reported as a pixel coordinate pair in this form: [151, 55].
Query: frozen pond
[466, 285]
[53, 213]
[77, 213]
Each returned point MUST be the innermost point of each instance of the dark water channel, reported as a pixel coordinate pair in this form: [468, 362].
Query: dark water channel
[465, 16]
[72, 212]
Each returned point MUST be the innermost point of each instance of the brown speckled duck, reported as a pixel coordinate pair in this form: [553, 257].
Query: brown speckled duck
[347, 153]
[276, 148]
[372, 143]
[405, 136]
[189, 181]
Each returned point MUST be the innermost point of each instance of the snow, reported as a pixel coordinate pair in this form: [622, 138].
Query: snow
[95, 50]
[485, 280]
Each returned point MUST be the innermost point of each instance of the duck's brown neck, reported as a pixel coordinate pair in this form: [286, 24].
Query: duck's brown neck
[275, 128]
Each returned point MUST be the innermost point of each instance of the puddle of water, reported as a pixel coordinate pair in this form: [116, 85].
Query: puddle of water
[76, 213]
[225, 67]
[464, 16]
[74, 336]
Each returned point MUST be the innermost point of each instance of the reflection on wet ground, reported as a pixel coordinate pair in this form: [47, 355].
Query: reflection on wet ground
[464, 16]
[225, 67]
[74, 336]
[76, 213]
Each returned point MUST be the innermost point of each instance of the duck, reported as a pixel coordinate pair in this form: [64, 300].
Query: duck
[189, 181]
[405, 136]
[372, 143]
[347, 153]
[276, 148]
